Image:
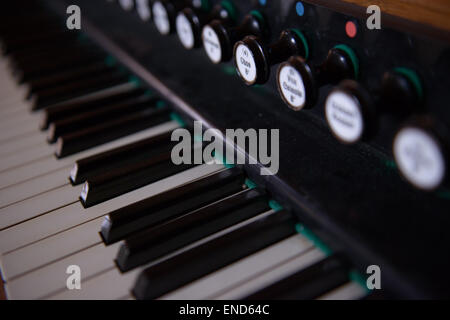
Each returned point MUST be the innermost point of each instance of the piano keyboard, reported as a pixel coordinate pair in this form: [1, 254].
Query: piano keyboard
[86, 179]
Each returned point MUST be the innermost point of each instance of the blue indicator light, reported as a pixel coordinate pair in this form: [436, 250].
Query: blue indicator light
[300, 8]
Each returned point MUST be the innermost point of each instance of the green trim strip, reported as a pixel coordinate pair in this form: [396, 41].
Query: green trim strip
[349, 51]
[250, 184]
[313, 238]
[357, 277]
[275, 205]
[230, 8]
[135, 80]
[413, 77]
[177, 118]
[304, 41]
[110, 61]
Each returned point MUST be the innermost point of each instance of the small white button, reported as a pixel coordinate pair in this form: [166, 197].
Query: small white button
[419, 158]
[343, 114]
[211, 44]
[292, 87]
[143, 9]
[185, 32]
[160, 18]
[127, 4]
[246, 63]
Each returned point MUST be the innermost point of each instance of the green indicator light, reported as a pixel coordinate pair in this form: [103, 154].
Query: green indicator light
[413, 77]
[349, 51]
[135, 80]
[230, 8]
[358, 278]
[303, 39]
[177, 118]
[275, 205]
[313, 238]
[250, 184]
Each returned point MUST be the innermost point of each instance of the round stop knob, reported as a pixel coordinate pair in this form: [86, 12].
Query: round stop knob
[299, 81]
[253, 58]
[219, 37]
[190, 22]
[164, 14]
[350, 112]
[420, 150]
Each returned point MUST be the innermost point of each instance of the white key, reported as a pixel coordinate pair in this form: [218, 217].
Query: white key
[52, 278]
[45, 165]
[276, 274]
[74, 214]
[348, 291]
[110, 285]
[33, 187]
[24, 156]
[22, 143]
[16, 132]
[50, 249]
[38, 205]
[236, 273]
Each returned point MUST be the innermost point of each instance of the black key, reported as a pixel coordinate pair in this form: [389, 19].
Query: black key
[78, 74]
[70, 91]
[111, 130]
[193, 264]
[309, 283]
[99, 115]
[25, 42]
[158, 241]
[40, 69]
[125, 179]
[171, 204]
[61, 111]
[120, 157]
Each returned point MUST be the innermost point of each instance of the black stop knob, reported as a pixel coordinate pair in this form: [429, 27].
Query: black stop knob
[164, 13]
[299, 81]
[219, 37]
[401, 91]
[190, 22]
[253, 58]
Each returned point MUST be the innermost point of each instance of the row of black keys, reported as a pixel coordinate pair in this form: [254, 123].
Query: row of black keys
[158, 225]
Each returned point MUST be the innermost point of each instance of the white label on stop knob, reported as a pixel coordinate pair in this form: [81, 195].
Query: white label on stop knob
[419, 158]
[343, 114]
[127, 4]
[185, 32]
[143, 9]
[245, 63]
[291, 87]
[211, 44]
[160, 18]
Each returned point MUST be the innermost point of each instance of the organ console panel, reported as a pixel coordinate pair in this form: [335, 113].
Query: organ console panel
[355, 177]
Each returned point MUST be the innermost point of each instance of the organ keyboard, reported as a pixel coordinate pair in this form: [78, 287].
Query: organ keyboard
[87, 179]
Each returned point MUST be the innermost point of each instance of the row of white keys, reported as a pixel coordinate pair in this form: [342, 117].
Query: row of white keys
[72, 215]
[97, 287]
[236, 273]
[27, 155]
[44, 202]
[50, 163]
[348, 291]
[37, 260]
[274, 275]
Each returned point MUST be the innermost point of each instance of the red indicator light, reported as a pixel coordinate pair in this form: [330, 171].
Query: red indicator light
[350, 29]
